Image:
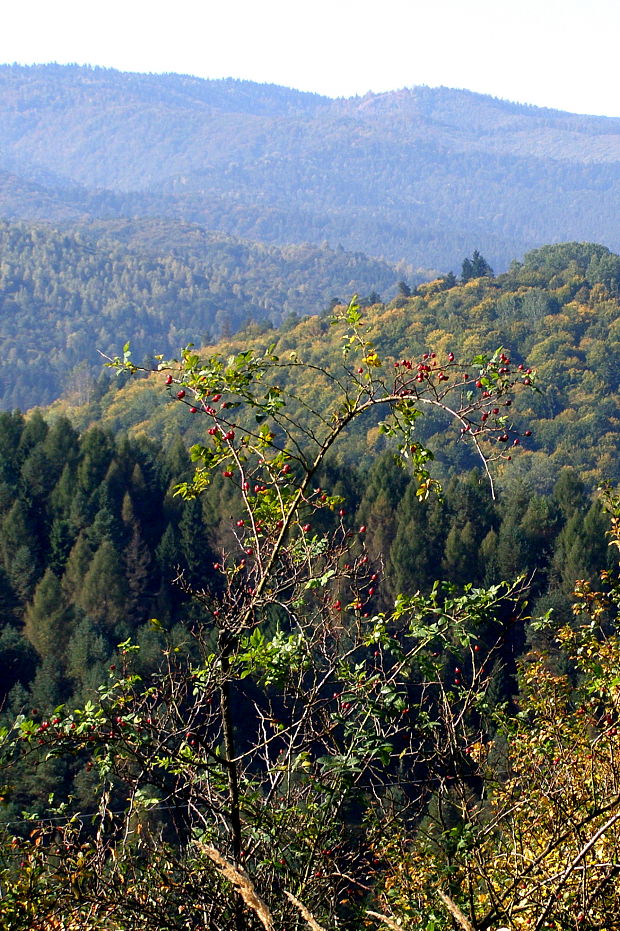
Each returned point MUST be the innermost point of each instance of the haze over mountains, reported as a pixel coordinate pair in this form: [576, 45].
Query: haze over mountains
[421, 175]
[163, 209]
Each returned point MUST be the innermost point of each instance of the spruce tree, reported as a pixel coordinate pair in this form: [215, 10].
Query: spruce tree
[103, 594]
[47, 619]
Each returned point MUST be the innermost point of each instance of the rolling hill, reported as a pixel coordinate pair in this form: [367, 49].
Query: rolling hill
[557, 311]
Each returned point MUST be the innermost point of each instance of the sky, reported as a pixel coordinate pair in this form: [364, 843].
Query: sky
[553, 53]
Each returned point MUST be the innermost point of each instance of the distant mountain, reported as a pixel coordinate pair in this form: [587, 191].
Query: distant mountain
[421, 175]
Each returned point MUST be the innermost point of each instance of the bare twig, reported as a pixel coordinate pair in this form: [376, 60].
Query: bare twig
[572, 866]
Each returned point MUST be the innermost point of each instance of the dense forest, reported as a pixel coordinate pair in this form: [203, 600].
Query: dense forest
[417, 175]
[64, 297]
[92, 539]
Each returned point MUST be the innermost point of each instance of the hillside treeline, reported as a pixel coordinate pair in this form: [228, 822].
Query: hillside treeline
[267, 675]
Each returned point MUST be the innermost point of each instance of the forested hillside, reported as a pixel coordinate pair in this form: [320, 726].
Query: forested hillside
[421, 175]
[557, 310]
[63, 296]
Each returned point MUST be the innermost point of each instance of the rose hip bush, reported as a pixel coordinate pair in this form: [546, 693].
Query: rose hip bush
[258, 777]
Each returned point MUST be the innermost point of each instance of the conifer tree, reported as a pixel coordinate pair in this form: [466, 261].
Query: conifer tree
[76, 567]
[415, 556]
[60, 445]
[137, 563]
[47, 619]
[34, 432]
[95, 457]
[61, 539]
[87, 654]
[103, 592]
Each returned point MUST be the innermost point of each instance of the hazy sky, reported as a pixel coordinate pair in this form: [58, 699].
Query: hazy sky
[557, 53]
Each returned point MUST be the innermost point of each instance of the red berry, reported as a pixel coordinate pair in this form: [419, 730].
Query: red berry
[180, 394]
[168, 379]
[363, 528]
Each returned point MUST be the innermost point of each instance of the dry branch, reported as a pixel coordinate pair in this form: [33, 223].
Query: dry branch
[312, 923]
[242, 882]
[385, 919]
[455, 911]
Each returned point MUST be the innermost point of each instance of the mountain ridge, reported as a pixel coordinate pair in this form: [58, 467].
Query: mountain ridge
[421, 174]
